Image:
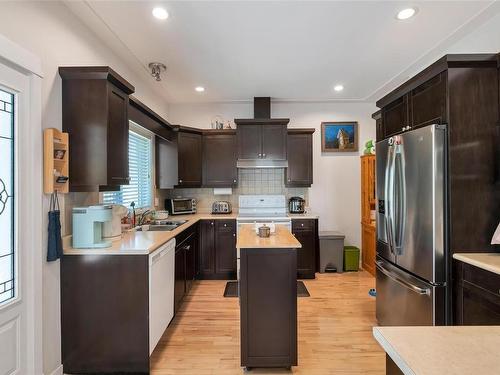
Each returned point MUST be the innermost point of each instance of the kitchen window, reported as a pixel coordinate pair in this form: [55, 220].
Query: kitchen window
[7, 205]
[140, 159]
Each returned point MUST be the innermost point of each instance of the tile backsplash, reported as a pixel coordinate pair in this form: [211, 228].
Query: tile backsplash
[250, 181]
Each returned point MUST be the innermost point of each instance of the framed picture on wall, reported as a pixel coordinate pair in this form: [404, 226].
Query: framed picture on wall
[339, 136]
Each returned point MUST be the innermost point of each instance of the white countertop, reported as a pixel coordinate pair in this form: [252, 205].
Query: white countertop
[305, 215]
[486, 261]
[281, 238]
[142, 243]
[457, 350]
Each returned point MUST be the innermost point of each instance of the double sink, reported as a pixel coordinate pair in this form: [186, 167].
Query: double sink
[162, 226]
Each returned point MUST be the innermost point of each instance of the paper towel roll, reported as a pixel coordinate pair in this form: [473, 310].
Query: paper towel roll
[223, 191]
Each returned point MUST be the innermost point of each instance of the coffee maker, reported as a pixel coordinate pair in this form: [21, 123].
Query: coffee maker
[296, 205]
[88, 226]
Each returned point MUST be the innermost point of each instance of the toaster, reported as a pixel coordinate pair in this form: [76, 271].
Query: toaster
[221, 207]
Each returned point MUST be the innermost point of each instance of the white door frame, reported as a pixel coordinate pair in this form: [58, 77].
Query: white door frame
[28, 64]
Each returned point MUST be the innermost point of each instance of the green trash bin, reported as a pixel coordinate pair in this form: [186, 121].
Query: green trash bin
[351, 258]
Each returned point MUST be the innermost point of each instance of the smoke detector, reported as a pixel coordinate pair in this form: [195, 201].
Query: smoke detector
[156, 70]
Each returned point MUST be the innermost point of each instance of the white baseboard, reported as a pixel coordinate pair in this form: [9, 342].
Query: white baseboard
[58, 370]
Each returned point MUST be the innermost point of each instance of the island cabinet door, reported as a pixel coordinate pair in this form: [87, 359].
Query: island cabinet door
[477, 298]
[225, 249]
[268, 308]
[305, 232]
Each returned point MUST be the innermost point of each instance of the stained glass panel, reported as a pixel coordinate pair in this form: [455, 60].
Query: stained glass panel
[7, 255]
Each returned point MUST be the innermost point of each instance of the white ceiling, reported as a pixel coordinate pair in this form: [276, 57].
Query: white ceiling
[289, 50]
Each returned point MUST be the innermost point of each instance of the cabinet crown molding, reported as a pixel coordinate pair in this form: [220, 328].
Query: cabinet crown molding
[96, 72]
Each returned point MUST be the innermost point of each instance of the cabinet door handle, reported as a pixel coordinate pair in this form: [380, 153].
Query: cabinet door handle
[403, 129]
[180, 181]
[263, 155]
[301, 224]
[225, 225]
[234, 234]
[260, 155]
[234, 181]
[212, 223]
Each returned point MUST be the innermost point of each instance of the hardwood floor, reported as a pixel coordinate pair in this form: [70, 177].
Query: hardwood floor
[335, 331]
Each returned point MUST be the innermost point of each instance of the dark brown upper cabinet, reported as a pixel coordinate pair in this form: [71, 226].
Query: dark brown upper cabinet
[300, 158]
[377, 116]
[189, 143]
[395, 116]
[274, 138]
[428, 102]
[219, 158]
[95, 104]
[262, 139]
[249, 142]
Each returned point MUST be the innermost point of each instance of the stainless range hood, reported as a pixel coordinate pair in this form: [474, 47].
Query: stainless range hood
[262, 116]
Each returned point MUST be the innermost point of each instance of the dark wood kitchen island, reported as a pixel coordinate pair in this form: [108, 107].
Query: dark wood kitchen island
[268, 298]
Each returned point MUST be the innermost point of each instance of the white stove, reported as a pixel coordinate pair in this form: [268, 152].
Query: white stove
[258, 210]
[263, 209]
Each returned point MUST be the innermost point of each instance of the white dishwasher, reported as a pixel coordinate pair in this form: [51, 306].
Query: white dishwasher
[161, 291]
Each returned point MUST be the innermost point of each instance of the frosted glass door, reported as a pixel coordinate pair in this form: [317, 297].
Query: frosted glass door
[7, 260]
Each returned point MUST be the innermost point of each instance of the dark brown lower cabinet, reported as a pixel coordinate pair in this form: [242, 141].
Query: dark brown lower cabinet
[105, 314]
[477, 295]
[185, 264]
[268, 307]
[217, 251]
[180, 278]
[305, 230]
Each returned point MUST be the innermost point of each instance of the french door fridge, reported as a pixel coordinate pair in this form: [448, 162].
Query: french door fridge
[411, 228]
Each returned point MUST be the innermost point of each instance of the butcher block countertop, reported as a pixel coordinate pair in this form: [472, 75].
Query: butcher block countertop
[486, 261]
[281, 238]
[452, 350]
[143, 243]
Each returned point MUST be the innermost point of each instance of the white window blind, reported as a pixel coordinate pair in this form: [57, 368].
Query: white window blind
[140, 188]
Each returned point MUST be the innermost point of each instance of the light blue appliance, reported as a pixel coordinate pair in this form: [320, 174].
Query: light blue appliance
[88, 226]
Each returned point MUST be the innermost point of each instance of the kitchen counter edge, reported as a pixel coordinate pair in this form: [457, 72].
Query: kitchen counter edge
[487, 261]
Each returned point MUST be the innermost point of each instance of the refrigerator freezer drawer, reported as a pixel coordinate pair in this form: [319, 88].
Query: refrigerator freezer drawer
[404, 300]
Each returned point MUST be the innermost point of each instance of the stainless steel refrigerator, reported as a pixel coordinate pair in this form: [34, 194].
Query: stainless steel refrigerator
[411, 228]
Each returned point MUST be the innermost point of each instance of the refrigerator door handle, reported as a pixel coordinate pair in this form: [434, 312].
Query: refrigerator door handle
[389, 195]
[389, 274]
[399, 197]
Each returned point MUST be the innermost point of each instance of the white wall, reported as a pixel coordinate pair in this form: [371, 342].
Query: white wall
[53, 33]
[335, 193]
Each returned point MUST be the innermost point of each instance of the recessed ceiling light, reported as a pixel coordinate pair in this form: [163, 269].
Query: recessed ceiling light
[338, 88]
[160, 13]
[199, 89]
[406, 13]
